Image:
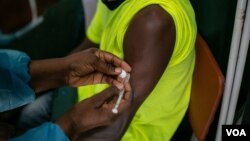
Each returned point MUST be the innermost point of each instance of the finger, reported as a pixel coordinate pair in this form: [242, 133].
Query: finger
[105, 79]
[100, 78]
[127, 98]
[118, 84]
[97, 78]
[128, 91]
[106, 68]
[107, 115]
[92, 50]
[110, 58]
[125, 103]
[105, 95]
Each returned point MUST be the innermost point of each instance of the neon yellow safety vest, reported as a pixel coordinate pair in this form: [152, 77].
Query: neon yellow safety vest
[159, 116]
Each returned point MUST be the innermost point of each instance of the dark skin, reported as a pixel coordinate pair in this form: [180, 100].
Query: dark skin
[83, 116]
[93, 112]
[148, 43]
[82, 68]
[90, 66]
[86, 67]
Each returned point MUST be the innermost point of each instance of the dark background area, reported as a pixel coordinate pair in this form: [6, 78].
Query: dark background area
[63, 29]
[215, 21]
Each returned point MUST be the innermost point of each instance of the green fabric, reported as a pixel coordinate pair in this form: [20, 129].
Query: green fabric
[61, 31]
[161, 113]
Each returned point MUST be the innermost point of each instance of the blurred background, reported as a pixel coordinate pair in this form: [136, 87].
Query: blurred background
[65, 23]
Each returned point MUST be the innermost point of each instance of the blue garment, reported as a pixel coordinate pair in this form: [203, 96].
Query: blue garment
[46, 132]
[14, 78]
[15, 92]
[41, 110]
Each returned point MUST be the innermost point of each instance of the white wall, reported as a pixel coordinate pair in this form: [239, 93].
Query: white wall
[89, 10]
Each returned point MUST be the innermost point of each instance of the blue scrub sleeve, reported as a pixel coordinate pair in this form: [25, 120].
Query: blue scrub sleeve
[46, 132]
[14, 78]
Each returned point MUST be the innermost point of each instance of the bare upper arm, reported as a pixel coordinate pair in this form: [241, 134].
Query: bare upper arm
[148, 45]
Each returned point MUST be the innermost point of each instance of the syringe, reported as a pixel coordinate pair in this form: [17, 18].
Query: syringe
[126, 76]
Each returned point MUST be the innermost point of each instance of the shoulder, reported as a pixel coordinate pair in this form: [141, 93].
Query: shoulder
[153, 17]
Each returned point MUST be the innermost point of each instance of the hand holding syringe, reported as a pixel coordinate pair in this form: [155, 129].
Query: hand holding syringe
[121, 94]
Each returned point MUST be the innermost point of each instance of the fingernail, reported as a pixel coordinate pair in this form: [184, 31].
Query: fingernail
[118, 70]
[119, 86]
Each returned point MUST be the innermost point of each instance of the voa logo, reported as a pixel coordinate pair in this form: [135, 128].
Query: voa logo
[236, 132]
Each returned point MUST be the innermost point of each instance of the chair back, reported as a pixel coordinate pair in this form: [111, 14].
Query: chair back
[207, 89]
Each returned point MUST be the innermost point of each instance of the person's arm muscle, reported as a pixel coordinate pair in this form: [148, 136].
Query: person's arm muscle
[148, 46]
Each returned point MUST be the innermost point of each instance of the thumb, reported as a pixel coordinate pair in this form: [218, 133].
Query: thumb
[105, 95]
[107, 68]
